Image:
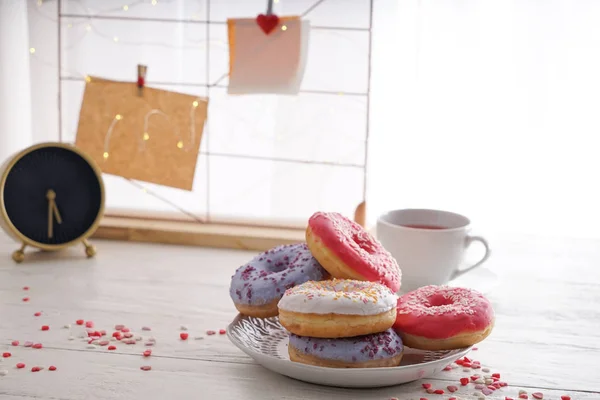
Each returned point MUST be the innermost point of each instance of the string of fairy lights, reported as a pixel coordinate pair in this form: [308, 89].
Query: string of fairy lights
[145, 135]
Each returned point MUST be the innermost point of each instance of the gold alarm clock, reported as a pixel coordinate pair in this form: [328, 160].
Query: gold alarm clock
[51, 197]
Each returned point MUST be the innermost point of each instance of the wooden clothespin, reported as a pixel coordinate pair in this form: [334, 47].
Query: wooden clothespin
[141, 78]
[268, 21]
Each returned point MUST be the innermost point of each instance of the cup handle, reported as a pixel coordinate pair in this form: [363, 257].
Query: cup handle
[470, 240]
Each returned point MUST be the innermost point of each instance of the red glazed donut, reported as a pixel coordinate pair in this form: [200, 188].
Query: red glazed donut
[443, 318]
[347, 251]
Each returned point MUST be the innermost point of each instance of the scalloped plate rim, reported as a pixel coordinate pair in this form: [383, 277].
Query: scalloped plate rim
[350, 372]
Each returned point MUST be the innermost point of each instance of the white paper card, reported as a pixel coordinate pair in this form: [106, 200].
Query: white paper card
[268, 64]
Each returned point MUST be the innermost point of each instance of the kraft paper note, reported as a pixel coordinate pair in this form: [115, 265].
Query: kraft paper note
[267, 64]
[154, 137]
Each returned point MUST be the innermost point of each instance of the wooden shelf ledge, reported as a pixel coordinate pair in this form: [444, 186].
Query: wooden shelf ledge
[196, 234]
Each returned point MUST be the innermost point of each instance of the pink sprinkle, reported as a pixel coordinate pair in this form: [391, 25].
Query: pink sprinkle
[36, 369]
[125, 330]
[426, 385]
[92, 340]
[37, 314]
[496, 375]
[79, 322]
[210, 332]
[508, 398]
[423, 398]
[25, 287]
[104, 343]
[28, 344]
[20, 365]
[447, 368]
[523, 396]
[37, 346]
[89, 324]
[149, 344]
[565, 397]
[475, 348]
[430, 390]
[147, 353]
[145, 328]
[452, 388]
[492, 388]
[537, 395]
[117, 335]
[52, 368]
[102, 332]
[222, 331]
[15, 342]
[119, 327]
[438, 391]
[487, 391]
[452, 398]
[129, 341]
[146, 368]
[479, 386]
[112, 348]
[6, 355]
[26, 299]
[184, 335]
[45, 328]
[128, 335]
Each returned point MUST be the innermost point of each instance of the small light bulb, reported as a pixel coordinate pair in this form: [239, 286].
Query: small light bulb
[118, 117]
[275, 1]
[195, 103]
[154, 2]
[105, 155]
[88, 78]
[180, 144]
[145, 190]
[116, 39]
[69, 25]
[32, 50]
[340, 93]
[146, 136]
[284, 28]
[125, 7]
[88, 28]
[39, 2]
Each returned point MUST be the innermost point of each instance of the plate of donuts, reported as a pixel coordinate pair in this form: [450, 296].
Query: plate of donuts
[327, 312]
[266, 341]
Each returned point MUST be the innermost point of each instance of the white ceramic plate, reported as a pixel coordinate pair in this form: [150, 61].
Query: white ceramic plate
[266, 341]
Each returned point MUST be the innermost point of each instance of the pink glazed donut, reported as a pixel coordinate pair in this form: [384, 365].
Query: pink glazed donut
[443, 318]
[347, 251]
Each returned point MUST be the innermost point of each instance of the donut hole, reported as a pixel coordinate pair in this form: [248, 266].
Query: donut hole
[364, 242]
[438, 300]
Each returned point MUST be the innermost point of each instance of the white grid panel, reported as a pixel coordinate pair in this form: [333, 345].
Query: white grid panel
[265, 158]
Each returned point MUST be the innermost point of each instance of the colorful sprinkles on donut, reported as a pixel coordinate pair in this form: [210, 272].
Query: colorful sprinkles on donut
[345, 352]
[347, 250]
[374, 298]
[267, 276]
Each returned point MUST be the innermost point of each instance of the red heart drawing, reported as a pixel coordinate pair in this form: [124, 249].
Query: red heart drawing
[267, 22]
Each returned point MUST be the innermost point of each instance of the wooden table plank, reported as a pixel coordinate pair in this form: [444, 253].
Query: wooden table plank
[103, 375]
[546, 333]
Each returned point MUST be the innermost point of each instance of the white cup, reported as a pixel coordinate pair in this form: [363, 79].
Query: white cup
[429, 245]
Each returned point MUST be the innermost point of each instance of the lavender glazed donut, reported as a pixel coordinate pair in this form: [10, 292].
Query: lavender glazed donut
[382, 349]
[257, 287]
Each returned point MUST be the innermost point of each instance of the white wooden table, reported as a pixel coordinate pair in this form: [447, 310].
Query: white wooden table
[546, 337]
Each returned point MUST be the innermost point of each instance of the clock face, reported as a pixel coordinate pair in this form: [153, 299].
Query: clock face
[52, 196]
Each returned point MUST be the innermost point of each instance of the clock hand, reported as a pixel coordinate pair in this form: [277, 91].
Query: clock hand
[50, 195]
[56, 213]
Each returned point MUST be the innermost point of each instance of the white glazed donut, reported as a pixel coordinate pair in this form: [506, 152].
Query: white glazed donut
[337, 308]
